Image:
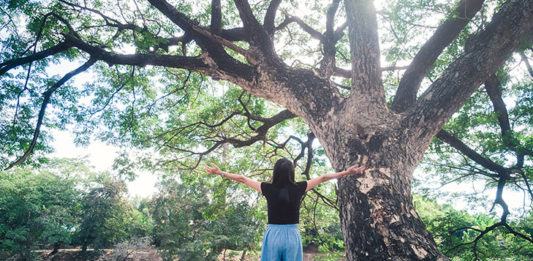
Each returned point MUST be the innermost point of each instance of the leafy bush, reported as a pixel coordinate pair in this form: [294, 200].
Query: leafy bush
[187, 226]
[36, 209]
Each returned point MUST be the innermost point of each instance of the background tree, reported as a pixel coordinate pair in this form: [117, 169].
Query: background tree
[102, 215]
[57, 206]
[456, 231]
[262, 52]
[190, 226]
[38, 209]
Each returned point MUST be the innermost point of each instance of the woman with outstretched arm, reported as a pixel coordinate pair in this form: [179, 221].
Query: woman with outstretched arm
[282, 239]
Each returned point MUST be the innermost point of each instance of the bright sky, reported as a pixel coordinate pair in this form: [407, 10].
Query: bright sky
[101, 156]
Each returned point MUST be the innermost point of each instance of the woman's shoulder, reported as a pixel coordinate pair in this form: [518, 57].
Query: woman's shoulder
[302, 185]
[265, 185]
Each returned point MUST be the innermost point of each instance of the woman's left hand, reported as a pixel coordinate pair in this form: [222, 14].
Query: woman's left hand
[214, 170]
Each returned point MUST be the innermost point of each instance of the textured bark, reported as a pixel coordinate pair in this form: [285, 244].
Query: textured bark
[378, 219]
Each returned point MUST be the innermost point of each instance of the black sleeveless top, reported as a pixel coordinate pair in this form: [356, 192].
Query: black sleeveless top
[283, 203]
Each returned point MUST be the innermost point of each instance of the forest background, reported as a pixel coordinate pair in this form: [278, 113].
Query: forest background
[471, 189]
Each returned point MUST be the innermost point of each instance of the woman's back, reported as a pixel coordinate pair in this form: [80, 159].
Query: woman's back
[283, 201]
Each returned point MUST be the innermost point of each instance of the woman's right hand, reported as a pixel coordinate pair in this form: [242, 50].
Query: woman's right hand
[214, 170]
[355, 169]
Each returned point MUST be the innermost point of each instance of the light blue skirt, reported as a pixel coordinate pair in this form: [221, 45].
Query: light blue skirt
[282, 243]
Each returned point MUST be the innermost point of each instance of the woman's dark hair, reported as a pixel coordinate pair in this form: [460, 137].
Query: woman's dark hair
[283, 173]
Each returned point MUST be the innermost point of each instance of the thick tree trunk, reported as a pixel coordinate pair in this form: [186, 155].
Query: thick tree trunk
[377, 215]
[376, 211]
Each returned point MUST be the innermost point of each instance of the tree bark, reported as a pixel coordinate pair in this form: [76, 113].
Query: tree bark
[376, 211]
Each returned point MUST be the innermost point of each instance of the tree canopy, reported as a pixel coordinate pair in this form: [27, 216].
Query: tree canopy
[265, 79]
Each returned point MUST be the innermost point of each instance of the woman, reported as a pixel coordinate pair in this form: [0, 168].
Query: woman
[282, 239]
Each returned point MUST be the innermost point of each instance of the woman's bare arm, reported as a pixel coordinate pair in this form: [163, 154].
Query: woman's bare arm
[350, 171]
[239, 178]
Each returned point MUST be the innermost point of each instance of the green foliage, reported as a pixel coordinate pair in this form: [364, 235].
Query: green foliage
[106, 217]
[36, 208]
[455, 232]
[64, 203]
[319, 221]
[187, 226]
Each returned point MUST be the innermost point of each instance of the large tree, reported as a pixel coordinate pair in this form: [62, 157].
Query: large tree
[249, 45]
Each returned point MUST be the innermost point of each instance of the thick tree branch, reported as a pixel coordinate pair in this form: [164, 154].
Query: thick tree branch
[487, 52]
[235, 34]
[330, 18]
[327, 65]
[227, 67]
[228, 44]
[492, 85]
[259, 36]
[270, 16]
[174, 41]
[364, 52]
[177, 17]
[472, 154]
[216, 16]
[191, 63]
[430, 51]
[7, 65]
[46, 100]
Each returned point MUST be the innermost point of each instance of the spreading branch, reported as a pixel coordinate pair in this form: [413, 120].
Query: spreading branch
[327, 65]
[192, 63]
[307, 28]
[430, 51]
[46, 100]
[219, 140]
[8, 65]
[466, 150]
[492, 86]
[271, 16]
[258, 35]
[307, 145]
[225, 64]
[216, 16]
[487, 52]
